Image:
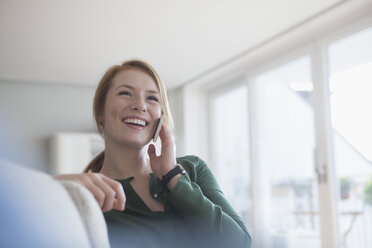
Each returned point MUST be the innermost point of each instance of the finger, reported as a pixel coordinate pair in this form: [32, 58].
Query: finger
[151, 151]
[167, 141]
[165, 135]
[109, 194]
[120, 199]
[164, 142]
[98, 194]
[118, 205]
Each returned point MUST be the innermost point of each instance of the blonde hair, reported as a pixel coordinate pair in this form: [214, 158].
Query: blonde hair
[100, 98]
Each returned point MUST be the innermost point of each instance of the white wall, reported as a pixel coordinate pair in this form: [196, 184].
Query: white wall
[189, 106]
[30, 113]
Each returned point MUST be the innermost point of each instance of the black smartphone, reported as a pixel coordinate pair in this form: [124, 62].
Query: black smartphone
[158, 128]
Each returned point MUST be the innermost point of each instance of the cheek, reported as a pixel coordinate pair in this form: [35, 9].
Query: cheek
[113, 110]
[116, 107]
[156, 112]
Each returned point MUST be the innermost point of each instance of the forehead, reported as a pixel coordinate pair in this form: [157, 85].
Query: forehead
[136, 79]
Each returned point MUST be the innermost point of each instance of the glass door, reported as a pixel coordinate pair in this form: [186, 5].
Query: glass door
[350, 86]
[229, 115]
[283, 138]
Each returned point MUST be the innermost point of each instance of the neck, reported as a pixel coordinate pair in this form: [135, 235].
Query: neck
[122, 162]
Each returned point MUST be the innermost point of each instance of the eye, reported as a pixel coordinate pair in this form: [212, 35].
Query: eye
[124, 93]
[153, 98]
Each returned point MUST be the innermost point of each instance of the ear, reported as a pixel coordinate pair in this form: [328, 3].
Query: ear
[100, 121]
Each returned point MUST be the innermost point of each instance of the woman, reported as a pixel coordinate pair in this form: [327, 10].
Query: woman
[152, 200]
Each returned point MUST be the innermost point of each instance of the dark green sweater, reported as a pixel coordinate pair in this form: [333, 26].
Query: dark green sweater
[196, 214]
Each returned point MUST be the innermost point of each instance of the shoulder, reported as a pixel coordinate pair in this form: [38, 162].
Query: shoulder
[193, 165]
[191, 161]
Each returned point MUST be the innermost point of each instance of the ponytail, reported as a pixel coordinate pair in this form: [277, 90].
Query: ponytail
[96, 164]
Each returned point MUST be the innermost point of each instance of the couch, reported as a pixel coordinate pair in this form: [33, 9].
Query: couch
[39, 211]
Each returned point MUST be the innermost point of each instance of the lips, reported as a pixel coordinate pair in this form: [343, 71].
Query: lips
[137, 121]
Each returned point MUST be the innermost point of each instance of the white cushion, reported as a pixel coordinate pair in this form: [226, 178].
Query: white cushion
[90, 213]
[36, 211]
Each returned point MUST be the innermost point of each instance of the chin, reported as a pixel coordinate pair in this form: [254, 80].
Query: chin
[133, 141]
[136, 143]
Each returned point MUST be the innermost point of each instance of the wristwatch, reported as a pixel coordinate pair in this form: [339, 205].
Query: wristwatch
[172, 173]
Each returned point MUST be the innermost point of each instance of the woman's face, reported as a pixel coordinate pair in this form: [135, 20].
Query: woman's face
[132, 109]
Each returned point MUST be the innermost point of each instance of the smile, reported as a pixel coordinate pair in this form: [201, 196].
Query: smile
[135, 121]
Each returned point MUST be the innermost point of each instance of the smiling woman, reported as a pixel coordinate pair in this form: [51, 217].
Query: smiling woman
[131, 109]
[152, 200]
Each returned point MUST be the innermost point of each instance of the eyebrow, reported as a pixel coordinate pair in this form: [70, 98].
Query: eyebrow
[132, 88]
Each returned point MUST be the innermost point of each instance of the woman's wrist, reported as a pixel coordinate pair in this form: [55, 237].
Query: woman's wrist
[171, 178]
[167, 169]
[172, 183]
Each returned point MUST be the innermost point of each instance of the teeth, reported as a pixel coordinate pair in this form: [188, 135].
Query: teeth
[135, 121]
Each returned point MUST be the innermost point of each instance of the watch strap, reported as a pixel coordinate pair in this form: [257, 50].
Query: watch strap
[172, 173]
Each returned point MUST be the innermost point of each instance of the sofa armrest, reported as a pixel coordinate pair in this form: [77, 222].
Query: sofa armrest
[90, 213]
[37, 211]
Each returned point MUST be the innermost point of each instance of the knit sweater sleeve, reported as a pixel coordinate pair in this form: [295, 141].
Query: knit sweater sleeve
[198, 198]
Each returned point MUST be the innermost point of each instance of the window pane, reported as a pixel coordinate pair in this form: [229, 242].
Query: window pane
[285, 144]
[230, 151]
[350, 83]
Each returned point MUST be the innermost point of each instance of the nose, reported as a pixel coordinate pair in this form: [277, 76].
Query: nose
[139, 105]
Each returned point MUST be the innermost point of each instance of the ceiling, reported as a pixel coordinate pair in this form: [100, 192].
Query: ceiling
[74, 42]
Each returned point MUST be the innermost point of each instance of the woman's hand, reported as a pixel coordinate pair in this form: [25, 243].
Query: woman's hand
[108, 192]
[162, 164]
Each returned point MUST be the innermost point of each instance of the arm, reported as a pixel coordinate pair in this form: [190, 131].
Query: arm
[205, 205]
[199, 201]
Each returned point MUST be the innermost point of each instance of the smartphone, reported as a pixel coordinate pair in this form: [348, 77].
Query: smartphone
[158, 128]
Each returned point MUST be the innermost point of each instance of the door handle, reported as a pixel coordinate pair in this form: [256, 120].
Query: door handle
[319, 166]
